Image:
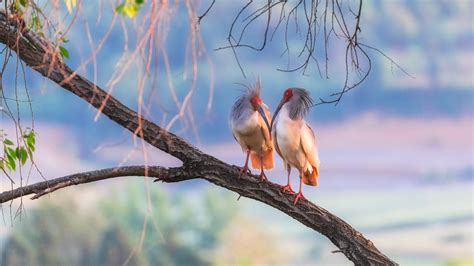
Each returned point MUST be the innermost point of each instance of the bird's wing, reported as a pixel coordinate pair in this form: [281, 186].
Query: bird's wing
[236, 137]
[265, 134]
[308, 144]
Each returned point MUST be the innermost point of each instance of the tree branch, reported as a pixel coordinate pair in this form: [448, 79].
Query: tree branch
[42, 188]
[43, 56]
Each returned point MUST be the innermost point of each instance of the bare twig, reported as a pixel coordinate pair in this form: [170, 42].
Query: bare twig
[205, 12]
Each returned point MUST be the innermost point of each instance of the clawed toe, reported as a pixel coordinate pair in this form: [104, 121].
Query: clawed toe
[298, 196]
[263, 176]
[245, 170]
[287, 189]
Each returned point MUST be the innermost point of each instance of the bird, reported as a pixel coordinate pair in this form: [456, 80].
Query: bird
[249, 121]
[294, 140]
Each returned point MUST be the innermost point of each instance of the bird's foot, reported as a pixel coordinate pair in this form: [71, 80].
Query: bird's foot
[263, 176]
[298, 196]
[245, 170]
[287, 189]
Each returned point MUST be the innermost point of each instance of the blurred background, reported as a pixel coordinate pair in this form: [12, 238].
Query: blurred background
[397, 153]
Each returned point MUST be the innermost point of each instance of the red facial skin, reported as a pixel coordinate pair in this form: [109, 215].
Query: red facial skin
[256, 102]
[287, 95]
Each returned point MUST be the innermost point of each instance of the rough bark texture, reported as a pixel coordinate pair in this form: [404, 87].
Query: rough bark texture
[42, 56]
[42, 188]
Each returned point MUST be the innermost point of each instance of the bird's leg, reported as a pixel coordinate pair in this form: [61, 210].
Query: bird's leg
[263, 177]
[245, 169]
[299, 194]
[287, 188]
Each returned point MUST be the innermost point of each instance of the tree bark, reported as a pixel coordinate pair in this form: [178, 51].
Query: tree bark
[42, 56]
[42, 188]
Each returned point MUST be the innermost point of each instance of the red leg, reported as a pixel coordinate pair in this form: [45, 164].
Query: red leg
[299, 194]
[263, 177]
[287, 188]
[246, 166]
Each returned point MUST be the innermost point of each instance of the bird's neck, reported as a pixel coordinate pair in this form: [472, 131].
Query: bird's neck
[285, 118]
[284, 114]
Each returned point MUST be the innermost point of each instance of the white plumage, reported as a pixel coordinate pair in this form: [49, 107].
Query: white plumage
[294, 140]
[249, 121]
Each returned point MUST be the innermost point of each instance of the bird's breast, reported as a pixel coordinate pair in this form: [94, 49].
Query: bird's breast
[288, 136]
[246, 124]
[287, 132]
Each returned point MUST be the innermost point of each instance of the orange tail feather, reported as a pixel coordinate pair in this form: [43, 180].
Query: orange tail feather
[311, 178]
[267, 160]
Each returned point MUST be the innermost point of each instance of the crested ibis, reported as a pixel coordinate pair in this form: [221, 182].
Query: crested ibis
[249, 120]
[294, 140]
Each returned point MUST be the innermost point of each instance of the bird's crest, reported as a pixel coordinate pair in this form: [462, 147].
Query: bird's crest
[243, 101]
[299, 103]
[254, 90]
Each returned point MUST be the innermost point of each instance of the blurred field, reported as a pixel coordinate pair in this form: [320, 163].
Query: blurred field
[419, 225]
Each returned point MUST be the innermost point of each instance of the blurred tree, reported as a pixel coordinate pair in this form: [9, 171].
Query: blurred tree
[114, 248]
[50, 227]
[20, 252]
[178, 231]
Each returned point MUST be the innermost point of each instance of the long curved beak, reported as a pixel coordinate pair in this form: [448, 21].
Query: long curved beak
[276, 112]
[262, 113]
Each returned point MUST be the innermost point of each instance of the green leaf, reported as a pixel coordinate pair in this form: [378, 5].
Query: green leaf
[23, 155]
[129, 8]
[7, 142]
[30, 138]
[11, 163]
[119, 9]
[10, 152]
[30, 142]
[64, 52]
[17, 153]
[23, 2]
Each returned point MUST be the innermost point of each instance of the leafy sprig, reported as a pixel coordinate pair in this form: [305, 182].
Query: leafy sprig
[17, 153]
[129, 7]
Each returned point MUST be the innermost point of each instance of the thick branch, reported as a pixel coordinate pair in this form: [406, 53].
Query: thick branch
[42, 56]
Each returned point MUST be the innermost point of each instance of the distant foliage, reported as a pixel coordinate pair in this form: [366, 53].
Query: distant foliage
[179, 231]
[115, 247]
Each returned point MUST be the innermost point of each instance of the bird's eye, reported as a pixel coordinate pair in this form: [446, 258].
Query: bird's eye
[256, 101]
